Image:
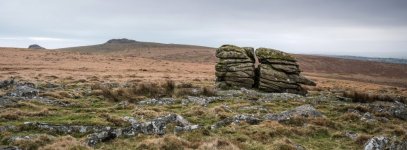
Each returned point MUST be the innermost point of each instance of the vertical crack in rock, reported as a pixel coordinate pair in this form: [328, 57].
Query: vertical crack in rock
[275, 71]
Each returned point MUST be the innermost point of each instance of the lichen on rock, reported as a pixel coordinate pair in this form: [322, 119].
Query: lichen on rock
[277, 71]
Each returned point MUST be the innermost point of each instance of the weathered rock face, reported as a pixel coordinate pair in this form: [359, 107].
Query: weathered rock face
[35, 46]
[384, 143]
[301, 111]
[277, 72]
[235, 67]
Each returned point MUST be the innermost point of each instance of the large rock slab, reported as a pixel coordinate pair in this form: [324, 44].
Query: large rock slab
[279, 72]
[235, 67]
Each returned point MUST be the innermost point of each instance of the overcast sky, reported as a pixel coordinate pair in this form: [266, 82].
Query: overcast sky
[375, 28]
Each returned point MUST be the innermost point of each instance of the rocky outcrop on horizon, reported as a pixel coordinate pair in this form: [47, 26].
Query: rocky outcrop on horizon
[120, 41]
[35, 46]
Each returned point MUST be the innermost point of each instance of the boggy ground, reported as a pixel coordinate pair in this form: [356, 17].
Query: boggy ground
[61, 100]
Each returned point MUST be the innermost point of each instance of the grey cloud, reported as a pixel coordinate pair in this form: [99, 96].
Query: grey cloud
[346, 27]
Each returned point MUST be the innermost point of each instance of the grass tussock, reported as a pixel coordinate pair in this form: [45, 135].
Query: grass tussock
[14, 114]
[168, 142]
[34, 142]
[362, 139]
[285, 144]
[139, 91]
[364, 97]
[65, 142]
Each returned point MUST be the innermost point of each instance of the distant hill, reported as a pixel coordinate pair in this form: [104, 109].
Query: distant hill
[323, 64]
[345, 67]
[386, 60]
[174, 52]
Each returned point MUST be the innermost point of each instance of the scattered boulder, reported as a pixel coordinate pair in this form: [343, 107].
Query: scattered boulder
[254, 108]
[385, 143]
[7, 128]
[24, 91]
[35, 46]
[351, 134]
[155, 126]
[270, 97]
[237, 119]
[8, 102]
[131, 120]
[235, 67]
[203, 101]
[7, 83]
[160, 101]
[279, 72]
[368, 117]
[63, 129]
[395, 109]
[302, 111]
[103, 136]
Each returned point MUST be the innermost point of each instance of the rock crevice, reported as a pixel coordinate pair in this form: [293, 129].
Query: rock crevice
[275, 71]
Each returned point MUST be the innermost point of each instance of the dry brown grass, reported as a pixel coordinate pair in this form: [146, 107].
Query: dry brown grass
[10, 114]
[362, 139]
[364, 97]
[349, 116]
[168, 142]
[139, 91]
[284, 144]
[34, 142]
[65, 142]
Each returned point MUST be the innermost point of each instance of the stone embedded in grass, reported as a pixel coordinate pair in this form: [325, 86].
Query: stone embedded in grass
[395, 109]
[254, 108]
[159, 101]
[24, 91]
[203, 101]
[155, 126]
[63, 129]
[6, 83]
[250, 119]
[8, 102]
[352, 135]
[368, 117]
[270, 97]
[385, 143]
[302, 111]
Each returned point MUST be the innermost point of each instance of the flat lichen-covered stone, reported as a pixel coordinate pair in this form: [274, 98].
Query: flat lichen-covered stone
[267, 53]
[231, 52]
